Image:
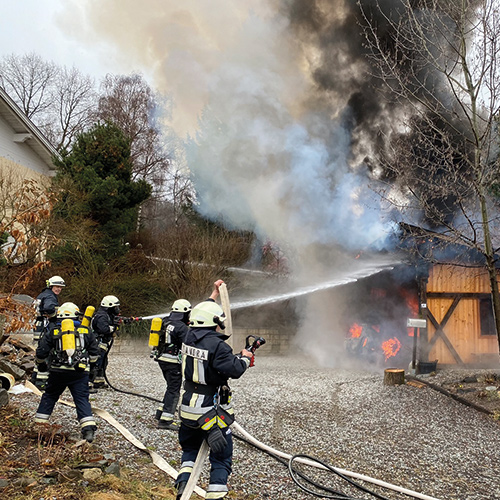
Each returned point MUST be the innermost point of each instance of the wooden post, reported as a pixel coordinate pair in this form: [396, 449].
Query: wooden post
[394, 376]
[416, 332]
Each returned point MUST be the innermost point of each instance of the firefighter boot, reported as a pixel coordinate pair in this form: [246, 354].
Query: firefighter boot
[88, 435]
[167, 424]
[180, 489]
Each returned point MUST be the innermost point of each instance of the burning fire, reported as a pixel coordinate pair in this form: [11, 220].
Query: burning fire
[355, 331]
[391, 347]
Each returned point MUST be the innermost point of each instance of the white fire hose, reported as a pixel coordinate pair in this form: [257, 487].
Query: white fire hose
[286, 456]
[191, 487]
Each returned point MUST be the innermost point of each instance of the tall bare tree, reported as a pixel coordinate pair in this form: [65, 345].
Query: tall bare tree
[74, 100]
[130, 103]
[60, 101]
[29, 80]
[440, 63]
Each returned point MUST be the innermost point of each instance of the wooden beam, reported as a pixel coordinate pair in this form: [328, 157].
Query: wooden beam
[451, 295]
[439, 333]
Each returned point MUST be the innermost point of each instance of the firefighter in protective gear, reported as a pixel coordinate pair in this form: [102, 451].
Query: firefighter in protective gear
[206, 412]
[104, 326]
[167, 354]
[68, 350]
[46, 305]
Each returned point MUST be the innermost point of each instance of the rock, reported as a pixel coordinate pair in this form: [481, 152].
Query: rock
[68, 476]
[114, 469]
[466, 390]
[24, 481]
[18, 344]
[92, 474]
[470, 380]
[7, 367]
[4, 483]
[7, 349]
[4, 398]
[93, 465]
[27, 365]
[48, 480]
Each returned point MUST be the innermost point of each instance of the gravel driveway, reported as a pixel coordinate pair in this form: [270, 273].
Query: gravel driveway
[414, 438]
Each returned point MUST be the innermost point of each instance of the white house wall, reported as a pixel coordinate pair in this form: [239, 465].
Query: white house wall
[19, 156]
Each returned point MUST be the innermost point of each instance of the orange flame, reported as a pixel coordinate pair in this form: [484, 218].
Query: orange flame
[411, 301]
[391, 347]
[355, 331]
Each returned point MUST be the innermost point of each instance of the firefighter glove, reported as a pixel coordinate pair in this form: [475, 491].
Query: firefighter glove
[216, 440]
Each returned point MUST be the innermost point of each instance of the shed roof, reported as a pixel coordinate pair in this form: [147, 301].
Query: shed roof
[26, 130]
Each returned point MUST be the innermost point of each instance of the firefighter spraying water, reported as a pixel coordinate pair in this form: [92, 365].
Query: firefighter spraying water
[105, 324]
[165, 339]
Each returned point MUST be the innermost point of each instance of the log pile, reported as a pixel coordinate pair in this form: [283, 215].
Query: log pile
[16, 357]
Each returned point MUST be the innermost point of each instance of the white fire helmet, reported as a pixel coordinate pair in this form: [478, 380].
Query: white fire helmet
[68, 310]
[181, 305]
[55, 281]
[207, 313]
[110, 301]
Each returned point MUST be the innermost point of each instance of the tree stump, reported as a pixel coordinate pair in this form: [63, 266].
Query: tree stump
[394, 376]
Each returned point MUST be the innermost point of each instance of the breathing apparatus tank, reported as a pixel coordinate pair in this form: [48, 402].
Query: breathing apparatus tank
[68, 337]
[87, 316]
[154, 334]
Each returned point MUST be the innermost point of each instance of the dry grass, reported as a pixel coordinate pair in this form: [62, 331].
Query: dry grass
[34, 456]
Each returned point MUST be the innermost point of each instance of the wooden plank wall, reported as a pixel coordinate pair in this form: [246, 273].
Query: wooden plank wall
[463, 328]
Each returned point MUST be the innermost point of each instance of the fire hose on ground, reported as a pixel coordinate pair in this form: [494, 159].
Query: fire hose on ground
[284, 458]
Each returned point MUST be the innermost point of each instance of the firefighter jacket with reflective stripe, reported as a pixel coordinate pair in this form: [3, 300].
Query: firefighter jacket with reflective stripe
[103, 325]
[47, 303]
[173, 333]
[50, 350]
[207, 362]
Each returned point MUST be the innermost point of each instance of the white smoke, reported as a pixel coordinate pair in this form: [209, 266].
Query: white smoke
[265, 154]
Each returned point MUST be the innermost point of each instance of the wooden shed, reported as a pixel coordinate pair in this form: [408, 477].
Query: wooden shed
[456, 300]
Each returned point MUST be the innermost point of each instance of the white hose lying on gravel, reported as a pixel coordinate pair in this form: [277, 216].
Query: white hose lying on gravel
[355, 475]
[160, 462]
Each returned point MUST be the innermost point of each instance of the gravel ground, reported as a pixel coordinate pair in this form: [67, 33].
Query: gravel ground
[414, 438]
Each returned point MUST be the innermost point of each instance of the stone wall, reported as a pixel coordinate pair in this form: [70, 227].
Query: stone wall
[276, 342]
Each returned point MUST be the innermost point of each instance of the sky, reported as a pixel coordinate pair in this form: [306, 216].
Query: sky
[58, 31]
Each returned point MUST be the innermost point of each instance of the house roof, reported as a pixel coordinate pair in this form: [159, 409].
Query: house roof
[25, 130]
[436, 247]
